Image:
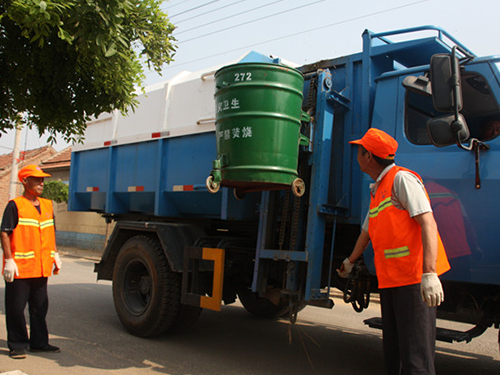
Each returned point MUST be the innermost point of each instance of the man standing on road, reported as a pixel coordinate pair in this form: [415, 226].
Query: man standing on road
[29, 253]
[409, 256]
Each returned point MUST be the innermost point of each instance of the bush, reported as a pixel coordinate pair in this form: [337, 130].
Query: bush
[56, 191]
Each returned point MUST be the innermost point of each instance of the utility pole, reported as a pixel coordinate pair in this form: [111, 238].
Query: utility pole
[15, 159]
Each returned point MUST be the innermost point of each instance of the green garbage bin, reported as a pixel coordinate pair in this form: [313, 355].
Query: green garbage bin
[258, 119]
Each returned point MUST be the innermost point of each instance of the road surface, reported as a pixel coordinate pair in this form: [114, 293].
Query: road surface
[82, 321]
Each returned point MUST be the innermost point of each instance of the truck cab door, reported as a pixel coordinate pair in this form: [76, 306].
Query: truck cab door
[467, 214]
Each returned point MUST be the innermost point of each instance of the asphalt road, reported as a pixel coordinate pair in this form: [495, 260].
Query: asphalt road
[82, 321]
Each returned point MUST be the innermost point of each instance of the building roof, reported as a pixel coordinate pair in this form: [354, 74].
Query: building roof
[6, 159]
[60, 160]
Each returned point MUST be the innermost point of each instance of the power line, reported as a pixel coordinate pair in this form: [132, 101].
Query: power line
[194, 8]
[209, 11]
[179, 3]
[248, 22]
[231, 16]
[299, 33]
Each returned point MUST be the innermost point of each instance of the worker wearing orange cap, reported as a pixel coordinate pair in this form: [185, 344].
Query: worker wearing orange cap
[409, 256]
[30, 254]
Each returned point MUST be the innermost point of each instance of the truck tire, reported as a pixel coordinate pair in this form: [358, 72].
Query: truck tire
[188, 315]
[261, 307]
[146, 293]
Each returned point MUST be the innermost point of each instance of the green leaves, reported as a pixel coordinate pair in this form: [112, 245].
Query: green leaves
[63, 61]
[56, 191]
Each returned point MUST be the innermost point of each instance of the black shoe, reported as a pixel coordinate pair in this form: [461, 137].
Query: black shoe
[17, 354]
[47, 348]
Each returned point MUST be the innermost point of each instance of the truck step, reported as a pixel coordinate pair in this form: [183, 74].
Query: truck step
[442, 334]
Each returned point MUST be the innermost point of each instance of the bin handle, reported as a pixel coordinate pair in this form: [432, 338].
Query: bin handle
[222, 84]
[304, 141]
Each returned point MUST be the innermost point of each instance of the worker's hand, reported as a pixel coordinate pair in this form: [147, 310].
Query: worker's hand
[346, 268]
[431, 289]
[10, 270]
[58, 263]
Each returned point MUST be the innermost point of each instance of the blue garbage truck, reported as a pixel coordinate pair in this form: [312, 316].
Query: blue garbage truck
[238, 182]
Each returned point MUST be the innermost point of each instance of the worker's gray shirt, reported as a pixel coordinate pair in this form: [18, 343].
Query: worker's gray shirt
[408, 193]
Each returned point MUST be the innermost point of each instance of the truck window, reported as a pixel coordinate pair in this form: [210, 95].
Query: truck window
[480, 109]
[419, 109]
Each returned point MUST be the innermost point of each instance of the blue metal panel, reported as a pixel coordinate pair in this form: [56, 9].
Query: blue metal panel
[137, 165]
[89, 170]
[188, 160]
[321, 158]
[155, 167]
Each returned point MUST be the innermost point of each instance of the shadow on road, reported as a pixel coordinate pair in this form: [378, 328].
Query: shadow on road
[83, 322]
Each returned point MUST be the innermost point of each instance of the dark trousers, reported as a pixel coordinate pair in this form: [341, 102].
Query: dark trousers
[17, 294]
[409, 331]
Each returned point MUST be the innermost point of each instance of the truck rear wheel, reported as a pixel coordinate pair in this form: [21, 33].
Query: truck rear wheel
[259, 306]
[146, 293]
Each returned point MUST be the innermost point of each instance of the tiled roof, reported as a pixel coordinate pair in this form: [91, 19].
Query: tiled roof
[60, 160]
[6, 159]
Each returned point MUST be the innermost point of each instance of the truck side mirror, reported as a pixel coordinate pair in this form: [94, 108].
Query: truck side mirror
[447, 130]
[445, 83]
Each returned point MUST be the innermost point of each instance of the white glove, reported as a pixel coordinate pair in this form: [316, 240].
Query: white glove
[431, 289]
[346, 268]
[58, 263]
[10, 270]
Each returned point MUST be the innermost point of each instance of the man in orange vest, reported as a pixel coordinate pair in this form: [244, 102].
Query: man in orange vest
[29, 254]
[409, 256]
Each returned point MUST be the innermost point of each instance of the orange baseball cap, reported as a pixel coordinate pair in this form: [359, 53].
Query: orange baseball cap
[379, 143]
[31, 170]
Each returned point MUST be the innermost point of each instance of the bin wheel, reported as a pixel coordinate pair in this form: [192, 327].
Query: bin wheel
[298, 187]
[213, 187]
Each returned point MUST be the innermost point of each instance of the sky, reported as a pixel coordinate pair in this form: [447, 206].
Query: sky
[215, 32]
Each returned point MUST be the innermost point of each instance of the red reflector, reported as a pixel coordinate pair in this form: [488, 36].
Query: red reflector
[109, 143]
[156, 135]
[183, 188]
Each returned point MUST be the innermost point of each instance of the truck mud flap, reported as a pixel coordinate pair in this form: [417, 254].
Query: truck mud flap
[442, 334]
[190, 276]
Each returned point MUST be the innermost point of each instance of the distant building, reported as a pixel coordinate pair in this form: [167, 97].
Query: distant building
[58, 165]
[35, 156]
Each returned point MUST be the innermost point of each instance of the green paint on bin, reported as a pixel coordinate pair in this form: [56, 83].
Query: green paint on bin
[258, 119]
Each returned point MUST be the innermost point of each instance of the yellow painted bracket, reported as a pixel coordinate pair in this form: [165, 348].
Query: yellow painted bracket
[217, 256]
[206, 253]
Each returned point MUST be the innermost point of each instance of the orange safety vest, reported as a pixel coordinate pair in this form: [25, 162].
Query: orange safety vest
[33, 241]
[397, 240]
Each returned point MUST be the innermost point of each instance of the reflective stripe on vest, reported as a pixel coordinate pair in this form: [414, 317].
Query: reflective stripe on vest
[27, 255]
[383, 205]
[397, 253]
[28, 222]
